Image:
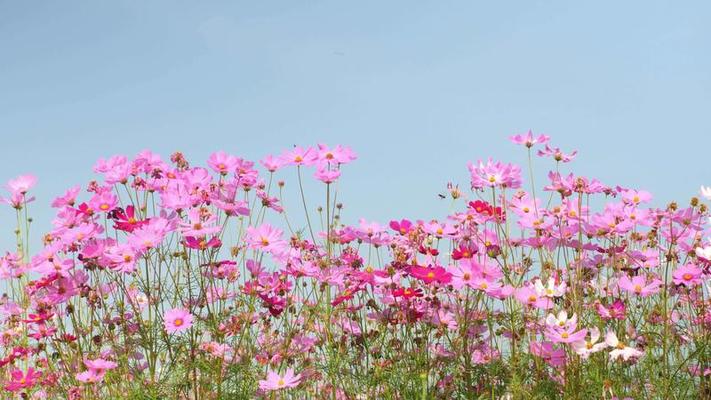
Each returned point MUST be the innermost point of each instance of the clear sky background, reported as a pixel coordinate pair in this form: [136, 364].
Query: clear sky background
[416, 88]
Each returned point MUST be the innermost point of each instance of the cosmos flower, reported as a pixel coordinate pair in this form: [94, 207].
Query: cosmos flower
[22, 380]
[274, 381]
[430, 274]
[494, 174]
[177, 320]
[528, 139]
[620, 349]
[688, 275]
[584, 348]
[222, 162]
[638, 285]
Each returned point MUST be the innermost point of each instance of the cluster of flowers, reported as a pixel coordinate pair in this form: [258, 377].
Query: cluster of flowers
[189, 282]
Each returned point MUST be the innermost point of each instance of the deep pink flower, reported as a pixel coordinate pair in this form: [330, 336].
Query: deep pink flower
[20, 380]
[202, 243]
[430, 274]
[177, 320]
[126, 220]
[403, 226]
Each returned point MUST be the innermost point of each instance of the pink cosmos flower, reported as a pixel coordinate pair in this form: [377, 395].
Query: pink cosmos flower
[22, 184]
[635, 197]
[177, 320]
[104, 201]
[96, 370]
[266, 238]
[327, 176]
[122, 257]
[222, 162]
[528, 140]
[688, 275]
[557, 154]
[299, 156]
[199, 224]
[565, 334]
[67, 199]
[528, 296]
[18, 189]
[272, 163]
[615, 311]
[494, 174]
[334, 156]
[639, 286]
[546, 350]
[274, 381]
[22, 380]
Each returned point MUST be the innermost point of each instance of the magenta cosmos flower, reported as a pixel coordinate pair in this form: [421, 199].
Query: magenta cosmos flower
[275, 381]
[20, 380]
[177, 320]
[429, 275]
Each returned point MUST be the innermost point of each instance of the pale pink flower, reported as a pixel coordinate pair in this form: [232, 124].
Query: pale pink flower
[177, 320]
[688, 275]
[274, 381]
[639, 286]
[528, 140]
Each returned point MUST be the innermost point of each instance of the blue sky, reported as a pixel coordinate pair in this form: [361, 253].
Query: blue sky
[416, 88]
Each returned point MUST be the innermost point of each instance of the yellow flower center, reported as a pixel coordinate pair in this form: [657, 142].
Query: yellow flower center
[178, 322]
[564, 335]
[687, 276]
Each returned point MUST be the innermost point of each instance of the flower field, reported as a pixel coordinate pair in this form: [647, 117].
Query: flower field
[171, 280]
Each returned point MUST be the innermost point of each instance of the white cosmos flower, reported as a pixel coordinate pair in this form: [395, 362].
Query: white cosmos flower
[704, 252]
[706, 192]
[586, 347]
[620, 349]
[550, 289]
[561, 320]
